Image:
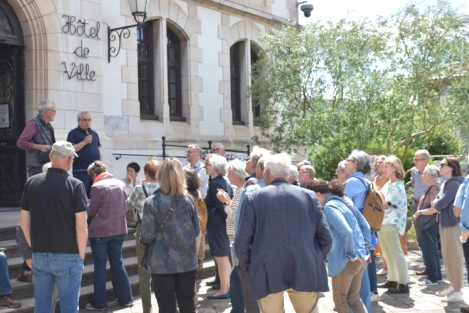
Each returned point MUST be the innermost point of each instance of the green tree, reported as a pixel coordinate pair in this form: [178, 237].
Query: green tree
[360, 84]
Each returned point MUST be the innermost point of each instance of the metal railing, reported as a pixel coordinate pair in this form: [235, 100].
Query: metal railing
[165, 154]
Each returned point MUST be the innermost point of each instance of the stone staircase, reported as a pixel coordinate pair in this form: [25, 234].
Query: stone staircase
[25, 291]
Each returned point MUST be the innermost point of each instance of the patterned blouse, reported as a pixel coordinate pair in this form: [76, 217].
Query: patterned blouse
[426, 202]
[230, 211]
[396, 213]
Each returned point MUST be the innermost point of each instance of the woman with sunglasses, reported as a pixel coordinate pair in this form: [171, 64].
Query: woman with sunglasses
[450, 231]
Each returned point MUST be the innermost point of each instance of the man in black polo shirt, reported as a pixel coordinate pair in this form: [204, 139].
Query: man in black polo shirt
[53, 219]
[86, 143]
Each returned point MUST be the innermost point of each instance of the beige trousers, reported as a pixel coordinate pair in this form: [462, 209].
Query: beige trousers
[392, 252]
[303, 302]
[451, 250]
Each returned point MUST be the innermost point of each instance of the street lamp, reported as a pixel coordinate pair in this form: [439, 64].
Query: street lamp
[139, 12]
[305, 7]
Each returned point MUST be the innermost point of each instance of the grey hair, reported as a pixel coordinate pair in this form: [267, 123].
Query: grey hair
[278, 164]
[258, 153]
[261, 161]
[97, 167]
[341, 165]
[46, 167]
[424, 153]
[45, 105]
[363, 160]
[238, 168]
[294, 171]
[196, 147]
[218, 163]
[433, 171]
[311, 171]
[80, 114]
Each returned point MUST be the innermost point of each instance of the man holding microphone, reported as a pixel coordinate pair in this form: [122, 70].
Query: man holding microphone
[86, 143]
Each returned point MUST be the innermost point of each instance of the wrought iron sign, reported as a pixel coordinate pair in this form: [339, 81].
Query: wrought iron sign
[81, 28]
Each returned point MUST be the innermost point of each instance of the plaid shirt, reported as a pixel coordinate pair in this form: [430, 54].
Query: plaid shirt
[136, 200]
[25, 141]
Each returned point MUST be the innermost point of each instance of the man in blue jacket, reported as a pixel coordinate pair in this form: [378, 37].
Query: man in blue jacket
[282, 242]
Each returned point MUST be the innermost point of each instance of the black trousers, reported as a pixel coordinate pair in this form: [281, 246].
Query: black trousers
[171, 287]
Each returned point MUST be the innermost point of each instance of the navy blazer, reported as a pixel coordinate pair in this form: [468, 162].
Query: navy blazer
[283, 240]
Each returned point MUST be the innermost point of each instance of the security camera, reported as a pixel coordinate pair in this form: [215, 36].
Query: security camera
[307, 8]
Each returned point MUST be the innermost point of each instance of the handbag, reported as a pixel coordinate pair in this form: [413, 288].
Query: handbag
[425, 222]
[149, 247]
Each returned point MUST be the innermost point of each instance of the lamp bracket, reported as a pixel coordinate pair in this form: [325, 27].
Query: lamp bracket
[117, 34]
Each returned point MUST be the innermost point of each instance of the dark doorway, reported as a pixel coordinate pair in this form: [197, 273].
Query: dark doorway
[12, 160]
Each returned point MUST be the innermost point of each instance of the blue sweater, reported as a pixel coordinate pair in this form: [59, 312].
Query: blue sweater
[350, 233]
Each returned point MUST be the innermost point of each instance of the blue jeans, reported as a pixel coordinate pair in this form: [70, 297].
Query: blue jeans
[236, 292]
[109, 247]
[86, 180]
[428, 242]
[59, 269]
[372, 273]
[5, 287]
[365, 293]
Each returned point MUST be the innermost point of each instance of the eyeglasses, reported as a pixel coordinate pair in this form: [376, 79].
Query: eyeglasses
[85, 119]
[416, 160]
[443, 164]
[52, 111]
[215, 149]
[350, 160]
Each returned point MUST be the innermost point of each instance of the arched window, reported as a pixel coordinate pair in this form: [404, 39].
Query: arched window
[174, 75]
[236, 53]
[256, 109]
[146, 82]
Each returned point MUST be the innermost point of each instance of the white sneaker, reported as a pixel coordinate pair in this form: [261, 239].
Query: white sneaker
[445, 292]
[454, 297]
[374, 297]
[382, 272]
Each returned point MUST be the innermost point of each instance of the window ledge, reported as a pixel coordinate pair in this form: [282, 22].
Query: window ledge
[150, 117]
[177, 118]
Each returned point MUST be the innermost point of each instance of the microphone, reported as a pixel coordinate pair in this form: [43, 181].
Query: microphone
[88, 132]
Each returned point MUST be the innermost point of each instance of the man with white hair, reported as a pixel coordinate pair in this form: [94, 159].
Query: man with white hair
[53, 219]
[38, 137]
[293, 178]
[421, 158]
[282, 242]
[219, 149]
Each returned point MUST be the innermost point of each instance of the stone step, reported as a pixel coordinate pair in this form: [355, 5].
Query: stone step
[15, 263]
[86, 294]
[25, 291]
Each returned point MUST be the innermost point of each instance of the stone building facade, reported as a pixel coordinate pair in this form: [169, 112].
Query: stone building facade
[184, 74]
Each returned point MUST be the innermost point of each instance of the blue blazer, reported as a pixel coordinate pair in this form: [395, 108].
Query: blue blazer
[283, 240]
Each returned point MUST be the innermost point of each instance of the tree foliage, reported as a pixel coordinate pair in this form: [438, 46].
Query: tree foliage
[334, 87]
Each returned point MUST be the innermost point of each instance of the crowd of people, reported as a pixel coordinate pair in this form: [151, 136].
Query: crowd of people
[271, 226]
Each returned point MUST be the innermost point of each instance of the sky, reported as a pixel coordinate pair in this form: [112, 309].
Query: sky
[337, 9]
